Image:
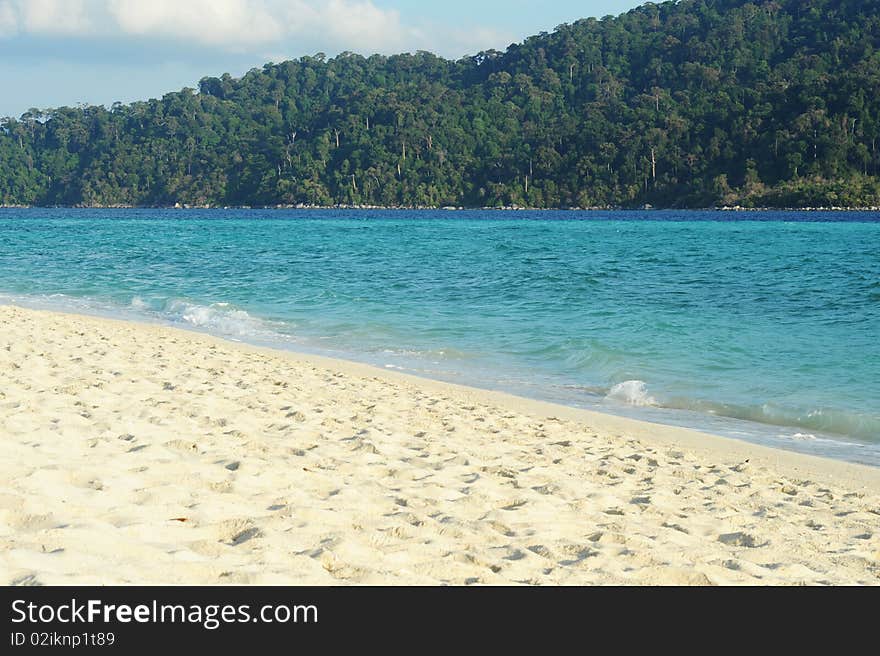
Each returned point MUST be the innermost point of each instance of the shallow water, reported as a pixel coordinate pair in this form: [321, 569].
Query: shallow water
[763, 326]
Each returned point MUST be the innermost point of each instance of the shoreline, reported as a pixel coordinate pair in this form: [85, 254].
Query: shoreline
[793, 462]
[299, 353]
[725, 208]
[760, 434]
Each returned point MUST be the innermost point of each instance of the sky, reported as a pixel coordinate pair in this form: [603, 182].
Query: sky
[64, 52]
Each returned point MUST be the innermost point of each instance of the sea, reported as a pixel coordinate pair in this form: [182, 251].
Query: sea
[761, 326]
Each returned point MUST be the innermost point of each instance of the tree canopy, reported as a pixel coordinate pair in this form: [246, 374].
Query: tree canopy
[680, 104]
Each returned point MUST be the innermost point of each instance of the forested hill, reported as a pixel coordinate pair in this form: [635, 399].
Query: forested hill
[692, 103]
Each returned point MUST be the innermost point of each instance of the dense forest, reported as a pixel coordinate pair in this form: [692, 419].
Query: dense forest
[694, 103]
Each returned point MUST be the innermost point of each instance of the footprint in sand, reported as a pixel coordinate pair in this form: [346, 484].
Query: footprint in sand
[235, 532]
[541, 550]
[28, 580]
[739, 539]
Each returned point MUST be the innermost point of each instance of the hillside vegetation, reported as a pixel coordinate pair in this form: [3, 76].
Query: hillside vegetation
[681, 104]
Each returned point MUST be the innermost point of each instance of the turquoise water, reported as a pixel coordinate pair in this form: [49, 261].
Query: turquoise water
[762, 326]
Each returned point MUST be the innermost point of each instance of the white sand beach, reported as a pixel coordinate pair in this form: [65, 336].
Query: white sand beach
[140, 454]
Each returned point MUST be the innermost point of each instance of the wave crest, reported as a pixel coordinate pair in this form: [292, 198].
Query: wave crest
[631, 392]
[218, 318]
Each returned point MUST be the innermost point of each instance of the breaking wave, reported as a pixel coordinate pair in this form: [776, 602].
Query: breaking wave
[631, 392]
[827, 421]
[221, 318]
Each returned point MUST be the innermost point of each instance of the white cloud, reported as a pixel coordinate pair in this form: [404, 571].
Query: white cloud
[348, 24]
[358, 23]
[244, 25]
[213, 22]
[8, 19]
[54, 16]
[225, 23]
[45, 16]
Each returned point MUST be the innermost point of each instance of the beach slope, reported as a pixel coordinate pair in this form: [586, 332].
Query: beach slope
[139, 454]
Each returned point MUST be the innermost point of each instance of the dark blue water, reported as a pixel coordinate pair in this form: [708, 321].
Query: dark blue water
[764, 326]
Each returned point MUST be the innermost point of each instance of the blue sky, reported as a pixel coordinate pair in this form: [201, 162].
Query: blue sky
[63, 52]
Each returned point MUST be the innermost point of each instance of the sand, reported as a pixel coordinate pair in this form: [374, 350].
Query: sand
[139, 454]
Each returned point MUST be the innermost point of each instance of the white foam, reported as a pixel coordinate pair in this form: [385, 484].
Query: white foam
[137, 303]
[220, 318]
[631, 392]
